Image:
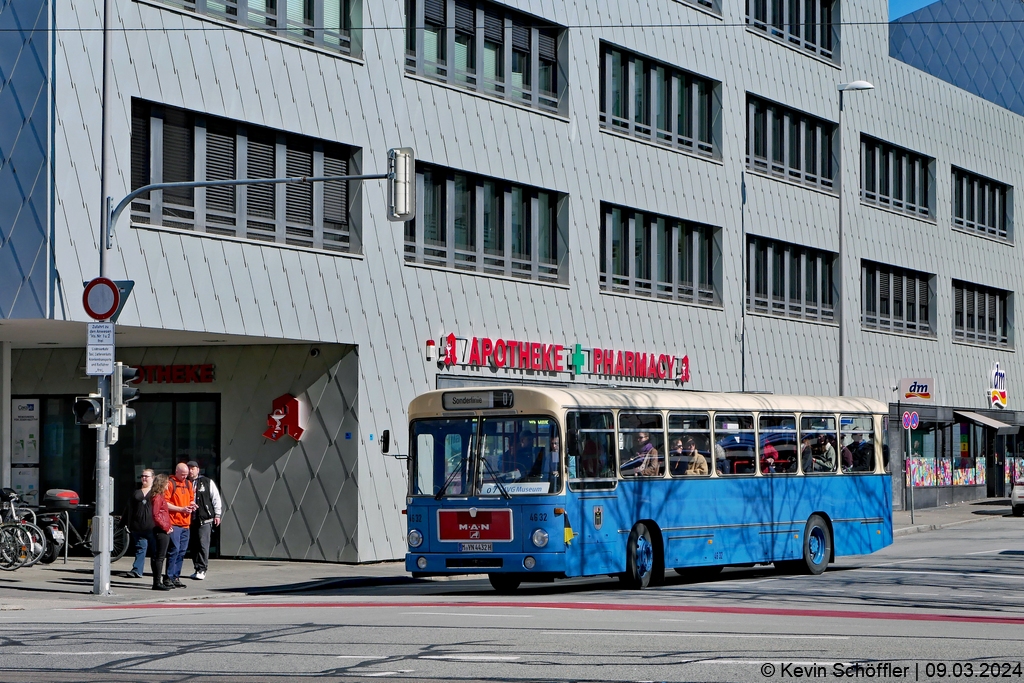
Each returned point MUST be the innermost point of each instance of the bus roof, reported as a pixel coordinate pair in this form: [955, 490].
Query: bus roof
[430, 402]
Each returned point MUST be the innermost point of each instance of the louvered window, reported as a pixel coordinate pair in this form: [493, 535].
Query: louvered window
[657, 102]
[471, 223]
[807, 25]
[896, 300]
[488, 48]
[216, 149]
[980, 205]
[323, 23]
[896, 179]
[801, 280]
[982, 315]
[790, 145]
[661, 257]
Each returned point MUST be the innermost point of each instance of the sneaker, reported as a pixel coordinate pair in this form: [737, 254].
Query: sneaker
[132, 575]
[198, 576]
[177, 583]
[167, 582]
[162, 587]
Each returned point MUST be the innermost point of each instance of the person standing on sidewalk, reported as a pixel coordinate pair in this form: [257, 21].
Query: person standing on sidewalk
[140, 524]
[181, 501]
[161, 531]
[206, 516]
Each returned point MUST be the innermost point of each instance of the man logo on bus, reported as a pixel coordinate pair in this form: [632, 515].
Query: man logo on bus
[998, 394]
[918, 390]
[449, 350]
[476, 528]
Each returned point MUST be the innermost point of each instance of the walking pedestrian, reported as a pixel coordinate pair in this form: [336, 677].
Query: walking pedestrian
[206, 516]
[181, 501]
[161, 532]
[140, 523]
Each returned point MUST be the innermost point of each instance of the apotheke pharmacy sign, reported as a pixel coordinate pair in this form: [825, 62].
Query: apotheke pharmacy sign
[575, 359]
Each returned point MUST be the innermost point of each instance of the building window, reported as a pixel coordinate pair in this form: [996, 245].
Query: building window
[980, 205]
[896, 300]
[789, 144]
[469, 222]
[710, 5]
[896, 178]
[656, 102]
[330, 24]
[645, 254]
[982, 315]
[790, 281]
[488, 48]
[174, 145]
[803, 24]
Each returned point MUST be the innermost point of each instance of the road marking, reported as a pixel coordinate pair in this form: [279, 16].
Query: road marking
[473, 658]
[359, 657]
[891, 564]
[468, 614]
[951, 574]
[57, 653]
[689, 634]
[989, 552]
[380, 674]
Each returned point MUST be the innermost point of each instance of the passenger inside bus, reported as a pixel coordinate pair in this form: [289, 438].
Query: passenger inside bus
[643, 459]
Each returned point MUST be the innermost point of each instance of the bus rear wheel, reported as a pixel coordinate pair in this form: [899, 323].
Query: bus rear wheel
[817, 545]
[505, 584]
[639, 559]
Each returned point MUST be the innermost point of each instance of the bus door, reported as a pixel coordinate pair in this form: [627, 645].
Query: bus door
[779, 463]
[592, 496]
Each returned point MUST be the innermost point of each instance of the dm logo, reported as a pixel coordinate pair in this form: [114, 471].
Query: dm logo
[918, 390]
[997, 394]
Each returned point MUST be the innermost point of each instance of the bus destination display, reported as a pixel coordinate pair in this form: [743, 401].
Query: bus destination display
[477, 400]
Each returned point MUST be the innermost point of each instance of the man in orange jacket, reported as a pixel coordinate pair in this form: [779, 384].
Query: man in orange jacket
[181, 501]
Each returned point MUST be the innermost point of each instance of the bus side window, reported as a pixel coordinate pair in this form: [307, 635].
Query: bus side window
[734, 444]
[590, 445]
[689, 445]
[858, 436]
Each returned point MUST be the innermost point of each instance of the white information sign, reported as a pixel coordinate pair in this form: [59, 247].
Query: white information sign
[917, 390]
[25, 431]
[101, 334]
[25, 480]
[99, 360]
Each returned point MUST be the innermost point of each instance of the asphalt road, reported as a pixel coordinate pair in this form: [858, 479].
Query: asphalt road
[944, 605]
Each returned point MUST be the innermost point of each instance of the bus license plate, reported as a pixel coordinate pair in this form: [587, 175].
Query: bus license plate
[476, 547]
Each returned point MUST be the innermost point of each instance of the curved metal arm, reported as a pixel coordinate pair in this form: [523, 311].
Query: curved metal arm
[115, 213]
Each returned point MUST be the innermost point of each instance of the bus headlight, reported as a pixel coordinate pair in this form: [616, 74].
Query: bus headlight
[415, 538]
[529, 562]
[421, 562]
[539, 538]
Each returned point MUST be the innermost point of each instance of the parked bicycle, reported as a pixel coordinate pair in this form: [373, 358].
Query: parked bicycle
[63, 536]
[22, 542]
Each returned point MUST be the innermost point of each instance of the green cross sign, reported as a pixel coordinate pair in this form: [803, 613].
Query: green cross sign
[578, 359]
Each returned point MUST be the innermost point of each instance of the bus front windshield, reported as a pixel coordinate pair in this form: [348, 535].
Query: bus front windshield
[490, 456]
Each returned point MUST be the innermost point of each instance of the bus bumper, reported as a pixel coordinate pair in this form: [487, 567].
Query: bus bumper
[444, 564]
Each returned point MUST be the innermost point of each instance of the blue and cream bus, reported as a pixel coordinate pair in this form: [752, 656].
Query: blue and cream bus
[532, 484]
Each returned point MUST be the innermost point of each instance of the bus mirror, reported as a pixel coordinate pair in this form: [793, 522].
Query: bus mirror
[385, 441]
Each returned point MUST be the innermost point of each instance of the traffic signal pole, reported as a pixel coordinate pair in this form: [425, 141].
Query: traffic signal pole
[102, 531]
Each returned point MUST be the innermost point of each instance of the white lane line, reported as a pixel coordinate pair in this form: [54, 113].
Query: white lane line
[473, 658]
[891, 564]
[359, 657]
[952, 574]
[466, 614]
[381, 674]
[58, 653]
[691, 634]
[988, 552]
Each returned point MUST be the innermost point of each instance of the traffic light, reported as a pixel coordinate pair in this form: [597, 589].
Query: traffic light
[89, 410]
[122, 393]
[401, 184]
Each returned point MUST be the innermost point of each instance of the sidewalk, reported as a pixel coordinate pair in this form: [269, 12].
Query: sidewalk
[70, 585]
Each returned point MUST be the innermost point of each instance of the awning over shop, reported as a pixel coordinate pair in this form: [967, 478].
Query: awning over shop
[1000, 427]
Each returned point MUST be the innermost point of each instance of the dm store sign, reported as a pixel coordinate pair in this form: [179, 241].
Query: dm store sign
[997, 391]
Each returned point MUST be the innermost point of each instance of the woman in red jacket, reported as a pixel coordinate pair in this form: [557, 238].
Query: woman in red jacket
[161, 529]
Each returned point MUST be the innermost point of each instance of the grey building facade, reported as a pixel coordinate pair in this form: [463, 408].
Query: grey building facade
[659, 179]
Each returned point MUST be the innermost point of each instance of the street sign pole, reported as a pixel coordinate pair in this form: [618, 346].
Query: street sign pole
[906, 445]
[101, 529]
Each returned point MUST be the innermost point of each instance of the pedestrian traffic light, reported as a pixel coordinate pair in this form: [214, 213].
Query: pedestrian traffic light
[122, 393]
[401, 184]
[89, 410]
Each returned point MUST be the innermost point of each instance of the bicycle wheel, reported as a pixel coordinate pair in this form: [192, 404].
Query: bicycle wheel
[14, 546]
[36, 543]
[121, 540]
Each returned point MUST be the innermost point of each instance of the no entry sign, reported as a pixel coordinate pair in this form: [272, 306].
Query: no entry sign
[101, 298]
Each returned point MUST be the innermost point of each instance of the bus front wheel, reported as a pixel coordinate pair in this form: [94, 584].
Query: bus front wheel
[504, 583]
[817, 545]
[639, 558]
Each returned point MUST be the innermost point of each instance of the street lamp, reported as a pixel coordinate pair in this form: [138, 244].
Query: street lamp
[843, 87]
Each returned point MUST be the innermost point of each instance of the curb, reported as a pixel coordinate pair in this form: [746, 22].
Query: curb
[921, 528]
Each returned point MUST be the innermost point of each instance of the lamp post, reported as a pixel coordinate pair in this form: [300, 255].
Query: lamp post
[843, 87]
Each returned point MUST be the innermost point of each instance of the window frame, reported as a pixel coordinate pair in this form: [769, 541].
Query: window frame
[908, 176]
[966, 300]
[774, 19]
[762, 250]
[975, 199]
[771, 143]
[620, 260]
[499, 30]
[886, 302]
[492, 249]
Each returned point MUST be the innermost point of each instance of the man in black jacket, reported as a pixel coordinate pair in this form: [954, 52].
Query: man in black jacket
[206, 516]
